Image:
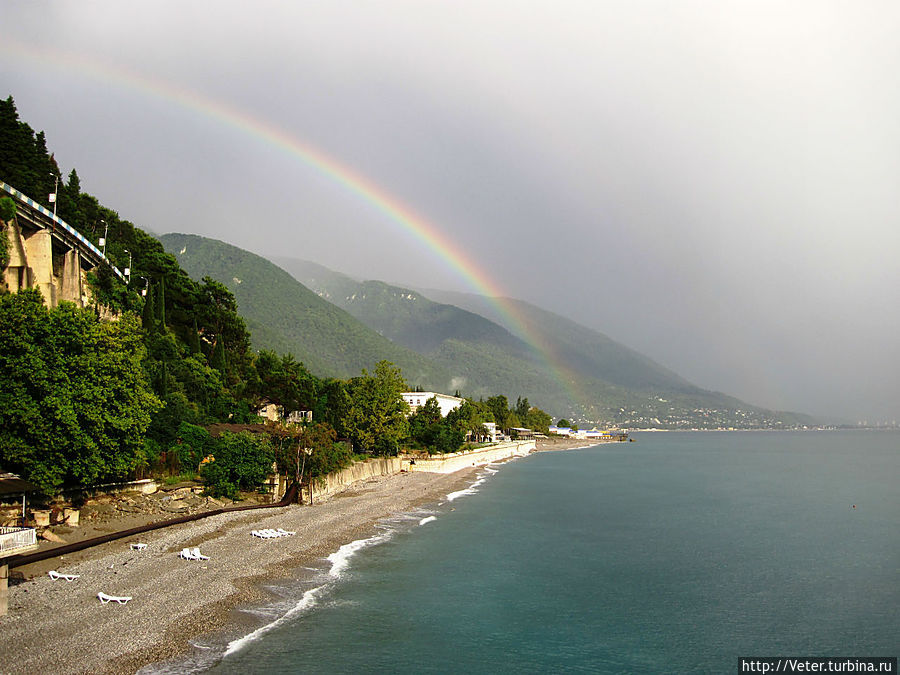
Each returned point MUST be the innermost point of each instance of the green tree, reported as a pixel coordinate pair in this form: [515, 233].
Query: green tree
[499, 407]
[563, 423]
[7, 209]
[376, 420]
[538, 420]
[332, 404]
[194, 339]
[447, 438]
[75, 403]
[218, 356]
[193, 445]
[284, 382]
[423, 421]
[148, 315]
[312, 451]
[241, 461]
[522, 408]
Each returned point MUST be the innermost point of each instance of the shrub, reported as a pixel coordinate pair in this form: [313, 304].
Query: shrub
[241, 461]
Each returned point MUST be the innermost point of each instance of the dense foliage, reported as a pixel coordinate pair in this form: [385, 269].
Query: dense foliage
[287, 317]
[376, 421]
[74, 398]
[241, 461]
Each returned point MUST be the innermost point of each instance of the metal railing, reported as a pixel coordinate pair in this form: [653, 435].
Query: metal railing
[12, 538]
[41, 217]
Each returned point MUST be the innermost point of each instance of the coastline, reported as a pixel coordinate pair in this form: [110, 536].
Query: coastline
[61, 627]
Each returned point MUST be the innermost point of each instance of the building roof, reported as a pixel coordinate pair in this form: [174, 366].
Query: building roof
[11, 484]
[429, 394]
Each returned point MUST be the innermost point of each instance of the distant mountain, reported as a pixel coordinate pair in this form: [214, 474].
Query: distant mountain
[560, 365]
[400, 314]
[284, 315]
[585, 350]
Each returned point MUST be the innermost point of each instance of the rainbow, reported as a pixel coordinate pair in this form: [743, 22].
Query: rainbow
[426, 233]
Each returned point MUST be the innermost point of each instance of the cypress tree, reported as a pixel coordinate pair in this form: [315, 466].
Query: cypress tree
[194, 339]
[147, 318]
[163, 380]
[161, 304]
[218, 356]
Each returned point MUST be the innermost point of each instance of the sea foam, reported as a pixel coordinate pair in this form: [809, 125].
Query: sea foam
[340, 559]
[308, 600]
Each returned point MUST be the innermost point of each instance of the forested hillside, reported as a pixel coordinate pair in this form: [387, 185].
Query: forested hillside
[84, 400]
[574, 370]
[284, 315]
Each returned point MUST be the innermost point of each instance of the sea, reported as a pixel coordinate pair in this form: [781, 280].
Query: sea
[677, 553]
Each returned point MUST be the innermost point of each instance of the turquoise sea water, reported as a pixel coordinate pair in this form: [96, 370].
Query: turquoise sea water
[675, 554]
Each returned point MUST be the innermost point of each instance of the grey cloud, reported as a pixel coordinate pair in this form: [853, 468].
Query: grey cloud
[711, 183]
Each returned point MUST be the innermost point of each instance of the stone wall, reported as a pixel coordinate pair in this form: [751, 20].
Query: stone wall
[386, 466]
[340, 480]
[461, 460]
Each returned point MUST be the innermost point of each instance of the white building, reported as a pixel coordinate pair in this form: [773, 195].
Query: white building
[416, 399]
[490, 430]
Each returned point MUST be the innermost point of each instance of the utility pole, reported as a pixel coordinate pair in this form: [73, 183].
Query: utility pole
[54, 196]
[103, 238]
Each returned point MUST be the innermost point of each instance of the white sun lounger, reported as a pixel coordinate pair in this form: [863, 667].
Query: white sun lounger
[193, 554]
[269, 533]
[104, 598]
[68, 577]
[138, 547]
[197, 555]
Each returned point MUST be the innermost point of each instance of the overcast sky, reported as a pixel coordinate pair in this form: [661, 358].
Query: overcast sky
[713, 183]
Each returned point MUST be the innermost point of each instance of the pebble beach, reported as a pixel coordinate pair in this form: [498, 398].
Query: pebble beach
[59, 626]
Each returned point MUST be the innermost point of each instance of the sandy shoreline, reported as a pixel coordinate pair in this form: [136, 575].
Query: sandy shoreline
[61, 627]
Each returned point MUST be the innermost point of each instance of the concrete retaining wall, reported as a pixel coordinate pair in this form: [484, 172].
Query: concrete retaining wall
[462, 460]
[339, 480]
[386, 466]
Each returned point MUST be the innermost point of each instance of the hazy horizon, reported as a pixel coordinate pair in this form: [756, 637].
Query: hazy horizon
[711, 184]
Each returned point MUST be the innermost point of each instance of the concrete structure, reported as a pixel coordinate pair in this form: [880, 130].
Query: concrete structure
[416, 399]
[47, 254]
[594, 434]
[333, 483]
[455, 461]
[275, 413]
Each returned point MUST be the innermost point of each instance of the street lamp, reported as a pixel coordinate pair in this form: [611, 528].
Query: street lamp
[128, 269]
[103, 238]
[55, 192]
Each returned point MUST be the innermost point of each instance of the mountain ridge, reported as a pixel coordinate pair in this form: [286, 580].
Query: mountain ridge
[544, 352]
[285, 316]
